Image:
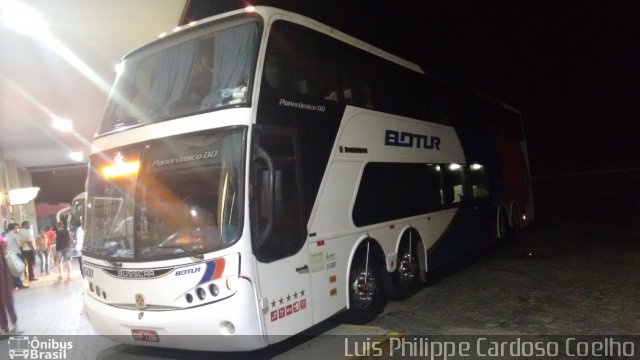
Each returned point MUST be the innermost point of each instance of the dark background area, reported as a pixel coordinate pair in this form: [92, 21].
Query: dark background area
[58, 185]
[571, 67]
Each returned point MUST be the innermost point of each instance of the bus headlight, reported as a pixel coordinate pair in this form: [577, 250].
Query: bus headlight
[201, 293]
[214, 289]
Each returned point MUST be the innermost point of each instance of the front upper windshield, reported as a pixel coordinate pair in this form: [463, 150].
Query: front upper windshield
[201, 70]
[174, 197]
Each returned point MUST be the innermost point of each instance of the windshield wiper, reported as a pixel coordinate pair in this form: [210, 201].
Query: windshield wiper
[104, 255]
[190, 252]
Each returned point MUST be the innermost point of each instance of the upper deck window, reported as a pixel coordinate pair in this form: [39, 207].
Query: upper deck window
[198, 71]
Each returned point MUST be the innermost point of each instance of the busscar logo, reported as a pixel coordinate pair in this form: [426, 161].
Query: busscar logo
[25, 347]
[137, 273]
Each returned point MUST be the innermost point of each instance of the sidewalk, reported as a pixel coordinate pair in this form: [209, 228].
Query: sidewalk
[51, 306]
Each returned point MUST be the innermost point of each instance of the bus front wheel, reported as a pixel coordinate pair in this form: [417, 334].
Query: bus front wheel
[366, 294]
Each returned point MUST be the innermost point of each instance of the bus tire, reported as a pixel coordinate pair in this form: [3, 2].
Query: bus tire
[405, 280]
[367, 298]
[515, 223]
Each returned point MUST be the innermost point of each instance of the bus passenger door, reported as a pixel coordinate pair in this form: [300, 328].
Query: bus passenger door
[278, 234]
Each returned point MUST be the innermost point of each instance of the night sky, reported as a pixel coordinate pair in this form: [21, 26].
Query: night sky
[571, 67]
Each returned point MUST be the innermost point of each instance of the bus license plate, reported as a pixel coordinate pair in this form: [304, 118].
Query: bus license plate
[145, 335]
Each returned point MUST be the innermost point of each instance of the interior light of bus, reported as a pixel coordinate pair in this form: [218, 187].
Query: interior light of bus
[524, 217]
[183, 240]
[476, 166]
[454, 167]
[250, 8]
[120, 169]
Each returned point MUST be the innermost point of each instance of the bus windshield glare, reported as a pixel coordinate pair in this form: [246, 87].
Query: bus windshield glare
[174, 197]
[198, 71]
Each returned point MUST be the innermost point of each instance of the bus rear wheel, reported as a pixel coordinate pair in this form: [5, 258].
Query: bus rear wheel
[405, 281]
[516, 222]
[503, 226]
[366, 294]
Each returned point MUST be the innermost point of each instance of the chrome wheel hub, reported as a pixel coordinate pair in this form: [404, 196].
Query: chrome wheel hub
[407, 269]
[364, 289]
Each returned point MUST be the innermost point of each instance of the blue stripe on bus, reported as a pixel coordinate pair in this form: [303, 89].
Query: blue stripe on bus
[211, 267]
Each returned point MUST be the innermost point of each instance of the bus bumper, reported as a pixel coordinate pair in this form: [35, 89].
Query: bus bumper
[231, 324]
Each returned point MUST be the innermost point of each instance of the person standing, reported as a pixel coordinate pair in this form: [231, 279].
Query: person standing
[51, 236]
[43, 253]
[6, 294]
[63, 249]
[13, 245]
[28, 249]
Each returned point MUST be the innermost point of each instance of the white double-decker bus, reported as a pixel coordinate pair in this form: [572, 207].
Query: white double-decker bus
[258, 172]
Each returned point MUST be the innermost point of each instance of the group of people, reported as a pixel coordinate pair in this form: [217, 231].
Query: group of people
[19, 240]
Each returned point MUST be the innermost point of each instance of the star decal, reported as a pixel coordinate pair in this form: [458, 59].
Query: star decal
[288, 297]
[302, 292]
[281, 301]
[273, 303]
[295, 295]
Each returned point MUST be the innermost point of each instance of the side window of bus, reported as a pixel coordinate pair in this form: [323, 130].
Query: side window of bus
[390, 191]
[276, 214]
[301, 61]
[479, 180]
[355, 88]
[452, 184]
[375, 83]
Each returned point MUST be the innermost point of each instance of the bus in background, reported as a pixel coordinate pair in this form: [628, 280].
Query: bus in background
[71, 216]
[63, 215]
[258, 172]
[74, 223]
[76, 212]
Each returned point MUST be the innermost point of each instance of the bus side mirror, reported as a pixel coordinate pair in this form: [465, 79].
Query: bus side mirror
[264, 187]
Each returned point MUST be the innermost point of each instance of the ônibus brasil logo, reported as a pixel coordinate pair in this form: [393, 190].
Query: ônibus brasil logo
[25, 347]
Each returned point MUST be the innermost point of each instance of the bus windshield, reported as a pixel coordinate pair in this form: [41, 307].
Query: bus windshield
[198, 71]
[174, 197]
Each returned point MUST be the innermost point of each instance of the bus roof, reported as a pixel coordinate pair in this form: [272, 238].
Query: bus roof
[271, 14]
